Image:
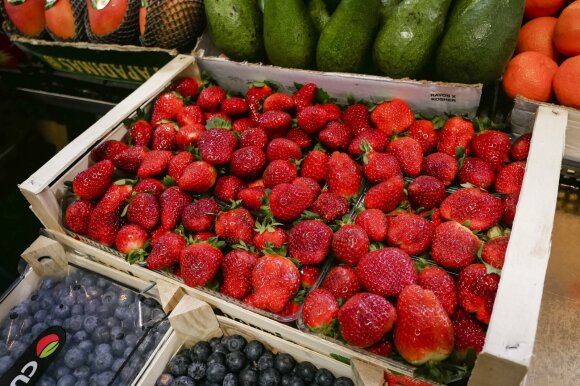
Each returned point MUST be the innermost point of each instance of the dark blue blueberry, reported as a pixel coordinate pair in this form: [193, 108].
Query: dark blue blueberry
[235, 361]
[213, 342]
[117, 333]
[127, 352]
[61, 371]
[5, 363]
[102, 379]
[197, 369]
[67, 380]
[46, 381]
[83, 372]
[248, 377]
[62, 311]
[93, 292]
[284, 363]
[266, 361]
[236, 343]
[3, 349]
[103, 348]
[221, 348]
[74, 358]
[40, 315]
[26, 325]
[117, 364]
[17, 349]
[118, 347]
[200, 350]
[102, 283]
[343, 381]
[87, 281]
[306, 371]
[68, 299]
[86, 346]
[269, 377]
[74, 323]
[77, 309]
[216, 357]
[46, 303]
[324, 377]
[183, 381]
[230, 380]
[131, 340]
[178, 365]
[291, 380]
[109, 298]
[164, 379]
[101, 335]
[215, 372]
[254, 350]
[126, 297]
[112, 322]
[48, 283]
[103, 311]
[80, 336]
[102, 361]
[19, 311]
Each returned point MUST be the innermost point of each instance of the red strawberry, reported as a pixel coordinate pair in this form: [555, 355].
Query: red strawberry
[443, 286]
[227, 188]
[333, 112]
[305, 96]
[242, 124]
[288, 201]
[189, 135]
[78, 215]
[477, 290]
[149, 185]
[199, 263]
[199, 216]
[309, 276]
[299, 137]
[336, 135]
[198, 177]
[492, 146]
[315, 166]
[423, 131]
[279, 172]
[186, 87]
[423, 332]
[350, 243]
[164, 136]
[509, 179]
[308, 183]
[376, 139]
[409, 154]
[251, 198]
[385, 196]
[235, 225]
[144, 211]
[107, 150]
[190, 115]
[210, 98]
[441, 166]
[217, 145]
[477, 172]
[379, 167]
[290, 310]
[456, 133]
[309, 241]
[223, 120]
[237, 267]
[374, 223]
[386, 271]
[255, 136]
[382, 348]
[234, 107]
[283, 149]
[140, 133]
[312, 119]
[319, 311]
[92, 183]
[330, 206]
[356, 118]
[275, 123]
[278, 101]
[344, 175]
[521, 148]
[365, 319]
[172, 202]
[411, 233]
[166, 107]
[509, 203]
[131, 239]
[178, 163]
[393, 117]
[426, 192]
[204, 236]
[493, 251]
[267, 233]
[481, 209]
[469, 333]
[256, 93]
[130, 159]
[247, 162]
[154, 163]
[157, 234]
[342, 282]
[106, 218]
[454, 246]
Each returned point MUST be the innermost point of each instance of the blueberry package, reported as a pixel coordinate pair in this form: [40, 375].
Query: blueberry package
[110, 329]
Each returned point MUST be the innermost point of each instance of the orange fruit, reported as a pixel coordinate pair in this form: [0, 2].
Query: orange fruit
[567, 31]
[539, 8]
[566, 82]
[530, 75]
[536, 35]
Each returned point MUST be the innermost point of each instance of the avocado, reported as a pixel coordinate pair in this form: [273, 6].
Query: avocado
[387, 8]
[318, 14]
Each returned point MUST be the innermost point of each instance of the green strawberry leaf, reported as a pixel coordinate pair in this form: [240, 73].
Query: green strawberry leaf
[68, 184]
[300, 296]
[298, 86]
[168, 182]
[322, 97]
[438, 122]
[295, 262]
[213, 285]
[244, 247]
[137, 256]
[271, 249]
[180, 230]
[340, 358]
[491, 269]
[494, 232]
[459, 152]
[124, 212]
[350, 99]
[376, 246]
[218, 122]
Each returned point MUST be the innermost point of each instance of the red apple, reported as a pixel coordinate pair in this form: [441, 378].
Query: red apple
[60, 19]
[105, 16]
[26, 15]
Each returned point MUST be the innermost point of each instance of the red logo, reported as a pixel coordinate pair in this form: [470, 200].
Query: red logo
[47, 345]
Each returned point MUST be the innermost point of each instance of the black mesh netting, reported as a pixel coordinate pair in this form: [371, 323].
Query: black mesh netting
[128, 31]
[173, 23]
[79, 8]
[11, 29]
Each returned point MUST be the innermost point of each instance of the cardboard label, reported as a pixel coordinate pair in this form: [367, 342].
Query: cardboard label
[101, 70]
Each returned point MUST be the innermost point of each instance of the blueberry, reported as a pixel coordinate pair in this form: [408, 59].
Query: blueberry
[112, 322]
[102, 361]
[183, 381]
[67, 380]
[93, 292]
[197, 369]
[269, 377]
[200, 350]
[131, 340]
[62, 311]
[343, 381]
[61, 371]
[5, 363]
[91, 322]
[254, 350]
[230, 380]
[126, 297]
[102, 379]
[216, 357]
[91, 306]
[17, 349]
[291, 380]
[86, 346]
[46, 303]
[117, 333]
[74, 323]
[87, 281]
[117, 364]
[235, 361]
[26, 325]
[103, 348]
[38, 328]
[19, 311]
[109, 298]
[213, 342]
[215, 372]
[284, 363]
[306, 371]
[77, 309]
[46, 381]
[127, 352]
[82, 382]
[178, 365]
[48, 283]
[221, 348]
[266, 361]
[80, 336]
[103, 311]
[101, 335]
[248, 377]
[236, 343]
[324, 377]
[74, 358]
[164, 379]
[3, 349]
[83, 372]
[102, 283]
[118, 347]
[155, 317]
[122, 313]
[69, 299]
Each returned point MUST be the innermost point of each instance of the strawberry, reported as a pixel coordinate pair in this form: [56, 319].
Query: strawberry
[235, 226]
[330, 206]
[382, 348]
[386, 271]
[356, 118]
[509, 203]
[423, 131]
[376, 139]
[279, 172]
[374, 223]
[78, 215]
[178, 163]
[217, 145]
[309, 276]
[255, 136]
[149, 185]
[198, 177]
[350, 243]
[172, 202]
[305, 96]
[283, 149]
[299, 137]
[290, 310]
[251, 198]
[308, 183]
[227, 188]
[477, 290]
[469, 333]
[454, 246]
[510, 178]
[278, 101]
[287, 201]
[411, 233]
[441, 166]
[166, 107]
[199, 216]
[434, 216]
[456, 133]
[315, 166]
[188, 135]
[344, 175]
[256, 93]
[130, 159]
[481, 209]
[385, 196]
[199, 263]
[393, 117]
[131, 240]
[164, 136]
[234, 107]
[335, 136]
[144, 211]
[190, 115]
[204, 236]
[268, 233]
[312, 119]
[476, 172]
[423, 332]
[223, 119]
[403, 380]
[309, 241]
[493, 252]
[186, 87]
[275, 123]
[521, 148]
[247, 163]
[237, 267]
[107, 150]
[140, 133]
[365, 319]
[409, 154]
[443, 286]
[210, 98]
[426, 192]
[256, 183]
[379, 167]
[491, 146]
[154, 163]
[106, 218]
[157, 234]
[92, 183]
[342, 283]
[333, 112]
[242, 124]
[319, 311]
